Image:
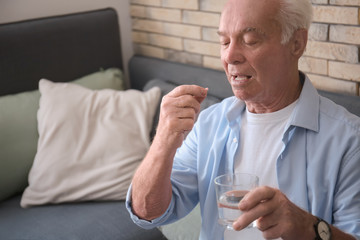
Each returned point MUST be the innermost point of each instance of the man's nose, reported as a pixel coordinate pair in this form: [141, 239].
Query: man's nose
[234, 54]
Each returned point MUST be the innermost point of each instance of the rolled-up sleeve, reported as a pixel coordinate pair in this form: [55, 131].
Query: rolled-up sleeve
[145, 223]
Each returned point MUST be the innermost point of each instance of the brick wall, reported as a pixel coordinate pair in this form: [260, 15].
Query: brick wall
[185, 31]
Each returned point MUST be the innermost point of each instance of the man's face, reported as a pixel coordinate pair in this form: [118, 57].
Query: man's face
[256, 63]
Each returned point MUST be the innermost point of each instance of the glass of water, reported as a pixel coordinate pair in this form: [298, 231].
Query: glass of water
[230, 189]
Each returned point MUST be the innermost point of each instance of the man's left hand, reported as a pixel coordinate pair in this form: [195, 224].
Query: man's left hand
[276, 215]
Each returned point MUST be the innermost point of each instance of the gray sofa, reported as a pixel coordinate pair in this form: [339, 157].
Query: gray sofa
[64, 48]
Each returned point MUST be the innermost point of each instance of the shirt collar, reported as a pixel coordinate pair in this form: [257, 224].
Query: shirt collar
[305, 115]
[306, 112]
[235, 110]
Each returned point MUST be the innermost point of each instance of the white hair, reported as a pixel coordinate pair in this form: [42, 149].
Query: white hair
[293, 15]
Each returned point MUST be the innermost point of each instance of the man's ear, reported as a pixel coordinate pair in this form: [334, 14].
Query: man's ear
[299, 41]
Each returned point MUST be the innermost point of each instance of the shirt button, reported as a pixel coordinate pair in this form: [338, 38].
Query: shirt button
[234, 140]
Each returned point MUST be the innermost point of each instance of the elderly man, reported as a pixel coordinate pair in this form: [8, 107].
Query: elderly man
[304, 148]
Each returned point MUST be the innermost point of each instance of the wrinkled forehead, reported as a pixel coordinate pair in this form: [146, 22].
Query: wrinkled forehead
[242, 14]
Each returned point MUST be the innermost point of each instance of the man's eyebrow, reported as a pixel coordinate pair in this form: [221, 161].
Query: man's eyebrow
[245, 30]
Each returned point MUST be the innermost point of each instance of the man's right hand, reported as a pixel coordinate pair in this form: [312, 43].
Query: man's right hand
[178, 112]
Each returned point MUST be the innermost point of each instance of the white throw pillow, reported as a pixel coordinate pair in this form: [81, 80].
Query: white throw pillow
[90, 142]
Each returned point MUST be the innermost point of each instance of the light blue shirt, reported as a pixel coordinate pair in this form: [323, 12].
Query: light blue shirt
[318, 168]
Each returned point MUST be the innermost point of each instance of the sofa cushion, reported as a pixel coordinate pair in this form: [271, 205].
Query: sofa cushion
[18, 127]
[77, 221]
[90, 142]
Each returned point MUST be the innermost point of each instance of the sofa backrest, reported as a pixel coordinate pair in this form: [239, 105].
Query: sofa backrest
[60, 48]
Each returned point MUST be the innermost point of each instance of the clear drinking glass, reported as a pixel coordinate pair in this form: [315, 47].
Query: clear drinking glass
[230, 189]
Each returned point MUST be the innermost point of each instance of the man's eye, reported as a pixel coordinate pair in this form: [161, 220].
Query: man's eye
[250, 41]
[224, 43]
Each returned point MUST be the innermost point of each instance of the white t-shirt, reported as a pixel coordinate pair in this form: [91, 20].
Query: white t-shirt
[260, 145]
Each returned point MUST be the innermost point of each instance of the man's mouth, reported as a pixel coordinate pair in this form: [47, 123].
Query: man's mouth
[239, 79]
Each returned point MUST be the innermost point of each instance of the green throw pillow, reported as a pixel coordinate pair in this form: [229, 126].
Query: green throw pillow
[18, 128]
